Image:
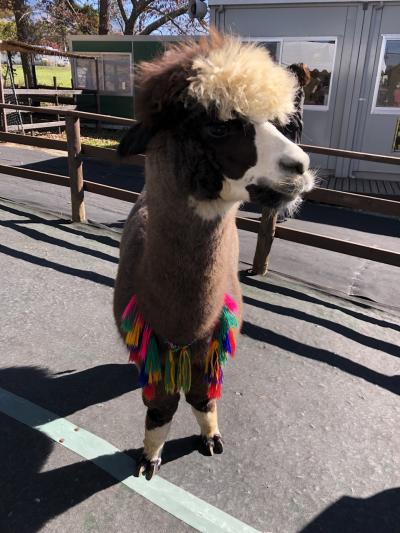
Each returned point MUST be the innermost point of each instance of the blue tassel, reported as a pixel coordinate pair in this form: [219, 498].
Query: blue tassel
[143, 377]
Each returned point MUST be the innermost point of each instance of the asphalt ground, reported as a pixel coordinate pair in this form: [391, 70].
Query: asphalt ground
[346, 275]
[309, 413]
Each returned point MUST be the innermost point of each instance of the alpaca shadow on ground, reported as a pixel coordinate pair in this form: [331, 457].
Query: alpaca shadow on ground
[390, 383]
[378, 514]
[32, 495]
[247, 279]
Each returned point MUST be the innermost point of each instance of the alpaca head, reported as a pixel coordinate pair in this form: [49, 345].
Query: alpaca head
[217, 99]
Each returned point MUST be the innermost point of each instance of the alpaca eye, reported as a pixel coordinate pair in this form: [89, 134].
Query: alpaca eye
[218, 129]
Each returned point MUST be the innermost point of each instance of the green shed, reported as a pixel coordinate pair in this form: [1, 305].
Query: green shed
[113, 76]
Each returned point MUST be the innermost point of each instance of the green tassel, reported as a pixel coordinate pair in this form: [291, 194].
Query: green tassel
[126, 325]
[184, 377]
[153, 365]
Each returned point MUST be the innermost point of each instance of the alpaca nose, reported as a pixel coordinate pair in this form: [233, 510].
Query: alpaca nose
[292, 166]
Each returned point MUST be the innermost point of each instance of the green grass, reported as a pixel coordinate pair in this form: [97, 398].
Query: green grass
[103, 138]
[44, 76]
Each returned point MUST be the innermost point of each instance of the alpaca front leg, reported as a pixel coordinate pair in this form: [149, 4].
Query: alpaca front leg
[205, 412]
[159, 415]
[207, 419]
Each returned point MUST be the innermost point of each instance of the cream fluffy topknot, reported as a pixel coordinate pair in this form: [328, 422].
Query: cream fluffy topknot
[241, 78]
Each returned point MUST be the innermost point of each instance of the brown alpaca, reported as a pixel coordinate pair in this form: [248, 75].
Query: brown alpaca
[204, 123]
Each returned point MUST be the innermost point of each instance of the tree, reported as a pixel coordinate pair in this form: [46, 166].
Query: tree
[23, 23]
[144, 17]
[62, 17]
[104, 16]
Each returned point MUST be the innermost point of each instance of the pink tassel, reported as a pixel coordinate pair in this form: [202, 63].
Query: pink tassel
[145, 343]
[129, 307]
[230, 303]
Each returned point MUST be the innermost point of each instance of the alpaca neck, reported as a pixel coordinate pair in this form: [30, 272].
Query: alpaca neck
[188, 263]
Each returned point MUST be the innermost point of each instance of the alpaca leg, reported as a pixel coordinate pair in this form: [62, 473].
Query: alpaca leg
[205, 412]
[160, 411]
[208, 422]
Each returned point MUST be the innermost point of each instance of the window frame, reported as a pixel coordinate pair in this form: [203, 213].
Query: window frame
[100, 56]
[380, 110]
[281, 40]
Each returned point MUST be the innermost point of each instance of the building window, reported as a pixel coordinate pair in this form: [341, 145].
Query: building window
[319, 56]
[114, 74]
[273, 47]
[317, 53]
[388, 82]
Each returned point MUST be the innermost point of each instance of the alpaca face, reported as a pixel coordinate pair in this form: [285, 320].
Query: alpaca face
[217, 99]
[255, 162]
[279, 175]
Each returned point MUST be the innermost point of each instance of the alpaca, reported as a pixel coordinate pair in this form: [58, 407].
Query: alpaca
[204, 121]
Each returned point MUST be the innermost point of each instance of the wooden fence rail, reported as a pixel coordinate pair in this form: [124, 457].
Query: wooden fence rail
[265, 227]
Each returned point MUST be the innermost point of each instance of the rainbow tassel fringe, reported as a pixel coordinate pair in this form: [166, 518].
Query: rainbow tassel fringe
[144, 352]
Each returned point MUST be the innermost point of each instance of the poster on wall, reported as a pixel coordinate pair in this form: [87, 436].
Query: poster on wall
[396, 142]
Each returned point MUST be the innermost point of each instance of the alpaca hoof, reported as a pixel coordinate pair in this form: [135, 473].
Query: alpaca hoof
[213, 445]
[148, 468]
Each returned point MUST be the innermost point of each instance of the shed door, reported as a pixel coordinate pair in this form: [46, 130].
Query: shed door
[379, 111]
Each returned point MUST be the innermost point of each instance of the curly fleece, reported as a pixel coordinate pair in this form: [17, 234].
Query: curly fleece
[241, 78]
[219, 72]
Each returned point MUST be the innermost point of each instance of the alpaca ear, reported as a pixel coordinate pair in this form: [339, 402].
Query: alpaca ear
[135, 141]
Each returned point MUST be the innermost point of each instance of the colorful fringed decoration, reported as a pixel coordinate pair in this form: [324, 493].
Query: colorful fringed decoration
[144, 352]
[222, 345]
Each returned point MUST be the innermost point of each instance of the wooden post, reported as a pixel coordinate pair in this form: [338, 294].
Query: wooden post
[56, 99]
[96, 61]
[75, 168]
[265, 239]
[3, 116]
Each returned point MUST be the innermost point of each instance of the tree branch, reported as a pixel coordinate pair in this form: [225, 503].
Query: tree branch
[181, 30]
[122, 10]
[162, 20]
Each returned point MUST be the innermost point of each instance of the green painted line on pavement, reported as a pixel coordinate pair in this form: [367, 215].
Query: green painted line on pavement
[192, 510]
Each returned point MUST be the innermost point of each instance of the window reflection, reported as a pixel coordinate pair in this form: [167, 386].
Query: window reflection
[319, 57]
[389, 82]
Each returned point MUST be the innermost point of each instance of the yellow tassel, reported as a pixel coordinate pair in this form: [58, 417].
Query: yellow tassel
[132, 339]
[154, 377]
[170, 379]
[184, 378]
[212, 362]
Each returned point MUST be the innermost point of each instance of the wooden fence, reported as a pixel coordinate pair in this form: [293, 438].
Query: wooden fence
[265, 227]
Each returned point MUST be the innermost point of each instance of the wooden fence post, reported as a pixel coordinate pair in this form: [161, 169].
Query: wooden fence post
[75, 168]
[265, 239]
[3, 113]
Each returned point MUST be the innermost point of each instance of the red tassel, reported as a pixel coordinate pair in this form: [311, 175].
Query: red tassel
[214, 391]
[232, 341]
[149, 391]
[134, 356]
